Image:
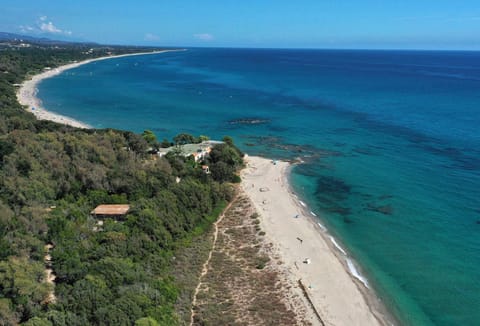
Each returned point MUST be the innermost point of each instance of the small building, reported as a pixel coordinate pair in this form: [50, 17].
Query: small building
[110, 211]
[198, 151]
[206, 169]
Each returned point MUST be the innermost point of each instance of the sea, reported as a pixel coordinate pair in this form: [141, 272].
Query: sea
[389, 140]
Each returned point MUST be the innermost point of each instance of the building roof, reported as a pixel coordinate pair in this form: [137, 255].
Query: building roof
[111, 210]
[193, 149]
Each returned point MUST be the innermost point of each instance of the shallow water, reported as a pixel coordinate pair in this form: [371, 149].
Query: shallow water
[390, 141]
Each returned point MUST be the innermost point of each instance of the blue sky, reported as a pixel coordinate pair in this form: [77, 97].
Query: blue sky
[374, 24]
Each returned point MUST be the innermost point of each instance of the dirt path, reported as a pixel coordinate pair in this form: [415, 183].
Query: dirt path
[207, 262]
[244, 281]
[50, 276]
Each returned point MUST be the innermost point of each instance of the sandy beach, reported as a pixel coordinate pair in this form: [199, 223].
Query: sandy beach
[27, 93]
[310, 255]
[307, 250]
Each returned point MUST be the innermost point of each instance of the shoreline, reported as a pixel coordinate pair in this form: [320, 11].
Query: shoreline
[330, 279]
[336, 289]
[27, 93]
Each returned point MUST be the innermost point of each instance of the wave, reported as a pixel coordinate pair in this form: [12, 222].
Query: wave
[323, 228]
[353, 270]
[337, 246]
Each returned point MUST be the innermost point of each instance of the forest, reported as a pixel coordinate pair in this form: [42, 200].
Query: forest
[52, 176]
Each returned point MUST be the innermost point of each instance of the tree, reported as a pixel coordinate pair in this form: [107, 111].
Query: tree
[202, 138]
[149, 137]
[227, 154]
[22, 279]
[146, 321]
[165, 143]
[36, 321]
[182, 139]
[228, 140]
[136, 143]
[221, 171]
[6, 148]
[7, 316]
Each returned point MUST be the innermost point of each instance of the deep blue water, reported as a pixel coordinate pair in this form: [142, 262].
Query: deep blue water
[390, 139]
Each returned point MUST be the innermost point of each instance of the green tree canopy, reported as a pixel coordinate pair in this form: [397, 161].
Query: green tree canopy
[182, 139]
[149, 137]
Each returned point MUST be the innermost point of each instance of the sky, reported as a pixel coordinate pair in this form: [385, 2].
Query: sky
[336, 24]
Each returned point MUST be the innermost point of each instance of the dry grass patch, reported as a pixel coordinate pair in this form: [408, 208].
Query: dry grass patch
[243, 285]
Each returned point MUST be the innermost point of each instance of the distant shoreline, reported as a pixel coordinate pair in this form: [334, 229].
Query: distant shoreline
[338, 292]
[27, 93]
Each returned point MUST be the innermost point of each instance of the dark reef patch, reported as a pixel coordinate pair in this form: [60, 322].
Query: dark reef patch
[363, 150]
[383, 197]
[334, 187]
[383, 209]
[331, 193]
[306, 170]
[248, 121]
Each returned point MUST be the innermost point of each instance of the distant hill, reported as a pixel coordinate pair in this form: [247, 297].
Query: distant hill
[17, 38]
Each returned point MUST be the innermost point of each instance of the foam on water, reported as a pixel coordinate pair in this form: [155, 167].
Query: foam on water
[355, 273]
[337, 245]
[322, 227]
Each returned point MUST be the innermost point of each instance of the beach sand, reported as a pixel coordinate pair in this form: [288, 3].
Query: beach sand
[27, 93]
[307, 250]
[337, 297]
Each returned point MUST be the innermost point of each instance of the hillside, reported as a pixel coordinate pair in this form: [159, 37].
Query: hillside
[109, 270]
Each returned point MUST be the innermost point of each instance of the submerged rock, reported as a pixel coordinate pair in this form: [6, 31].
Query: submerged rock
[248, 121]
[384, 209]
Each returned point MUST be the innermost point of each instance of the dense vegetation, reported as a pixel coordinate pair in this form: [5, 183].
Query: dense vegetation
[52, 176]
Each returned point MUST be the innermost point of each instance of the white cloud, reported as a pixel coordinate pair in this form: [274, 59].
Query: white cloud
[43, 25]
[26, 28]
[204, 37]
[49, 28]
[151, 37]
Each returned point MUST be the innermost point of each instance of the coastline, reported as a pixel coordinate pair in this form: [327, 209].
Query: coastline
[27, 93]
[311, 256]
[339, 296]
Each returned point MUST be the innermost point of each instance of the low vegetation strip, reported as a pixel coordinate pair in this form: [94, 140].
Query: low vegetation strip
[243, 285]
[207, 262]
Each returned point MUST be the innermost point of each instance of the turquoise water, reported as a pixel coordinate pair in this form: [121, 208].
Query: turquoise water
[390, 141]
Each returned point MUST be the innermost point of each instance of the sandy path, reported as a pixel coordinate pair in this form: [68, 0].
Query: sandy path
[50, 276]
[207, 262]
[336, 295]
